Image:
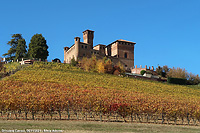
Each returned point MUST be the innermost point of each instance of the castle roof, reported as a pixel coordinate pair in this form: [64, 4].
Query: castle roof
[88, 30]
[100, 45]
[121, 40]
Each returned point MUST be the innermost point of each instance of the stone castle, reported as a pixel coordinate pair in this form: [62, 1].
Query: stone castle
[118, 51]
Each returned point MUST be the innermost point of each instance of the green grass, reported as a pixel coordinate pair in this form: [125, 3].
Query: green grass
[12, 66]
[89, 126]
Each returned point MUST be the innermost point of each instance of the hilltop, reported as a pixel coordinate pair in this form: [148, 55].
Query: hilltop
[62, 91]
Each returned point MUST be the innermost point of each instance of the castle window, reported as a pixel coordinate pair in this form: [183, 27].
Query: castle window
[85, 47]
[125, 55]
[83, 54]
[82, 46]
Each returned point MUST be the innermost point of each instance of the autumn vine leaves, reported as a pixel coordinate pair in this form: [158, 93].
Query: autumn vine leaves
[54, 87]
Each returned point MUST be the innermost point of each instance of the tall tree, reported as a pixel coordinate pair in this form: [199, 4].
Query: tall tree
[21, 51]
[10, 55]
[38, 47]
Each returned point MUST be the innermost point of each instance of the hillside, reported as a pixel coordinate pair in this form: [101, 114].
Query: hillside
[46, 88]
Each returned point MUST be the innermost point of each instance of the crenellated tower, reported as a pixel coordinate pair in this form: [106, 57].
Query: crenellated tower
[88, 36]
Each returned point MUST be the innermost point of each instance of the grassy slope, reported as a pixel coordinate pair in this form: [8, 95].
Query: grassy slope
[71, 76]
[63, 74]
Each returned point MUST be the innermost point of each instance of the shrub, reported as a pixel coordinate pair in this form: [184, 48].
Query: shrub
[193, 79]
[83, 63]
[116, 72]
[1, 65]
[12, 66]
[142, 72]
[73, 62]
[121, 67]
[108, 67]
[180, 81]
[100, 66]
[57, 60]
[104, 65]
[89, 64]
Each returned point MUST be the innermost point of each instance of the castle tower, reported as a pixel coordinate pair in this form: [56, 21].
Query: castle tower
[76, 43]
[88, 36]
[65, 52]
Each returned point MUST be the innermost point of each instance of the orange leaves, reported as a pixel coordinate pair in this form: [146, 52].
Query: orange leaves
[53, 96]
[66, 87]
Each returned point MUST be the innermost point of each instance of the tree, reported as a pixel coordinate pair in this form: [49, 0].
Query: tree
[142, 72]
[193, 79]
[38, 47]
[159, 70]
[162, 71]
[10, 55]
[21, 51]
[178, 73]
[73, 62]
[165, 69]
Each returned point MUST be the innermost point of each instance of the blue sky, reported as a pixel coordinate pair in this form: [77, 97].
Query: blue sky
[166, 32]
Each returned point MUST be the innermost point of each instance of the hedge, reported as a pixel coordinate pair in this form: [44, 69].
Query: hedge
[180, 81]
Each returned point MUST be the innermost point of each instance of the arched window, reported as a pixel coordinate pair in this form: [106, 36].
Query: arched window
[125, 55]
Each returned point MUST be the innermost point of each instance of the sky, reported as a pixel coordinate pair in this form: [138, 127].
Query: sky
[166, 32]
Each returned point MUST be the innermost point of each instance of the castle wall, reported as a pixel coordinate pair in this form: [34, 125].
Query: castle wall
[114, 49]
[84, 50]
[100, 48]
[65, 51]
[127, 62]
[108, 50]
[70, 54]
[137, 70]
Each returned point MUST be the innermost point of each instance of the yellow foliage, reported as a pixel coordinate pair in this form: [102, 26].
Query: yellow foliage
[100, 66]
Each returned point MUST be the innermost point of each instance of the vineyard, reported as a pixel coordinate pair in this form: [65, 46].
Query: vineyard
[60, 91]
